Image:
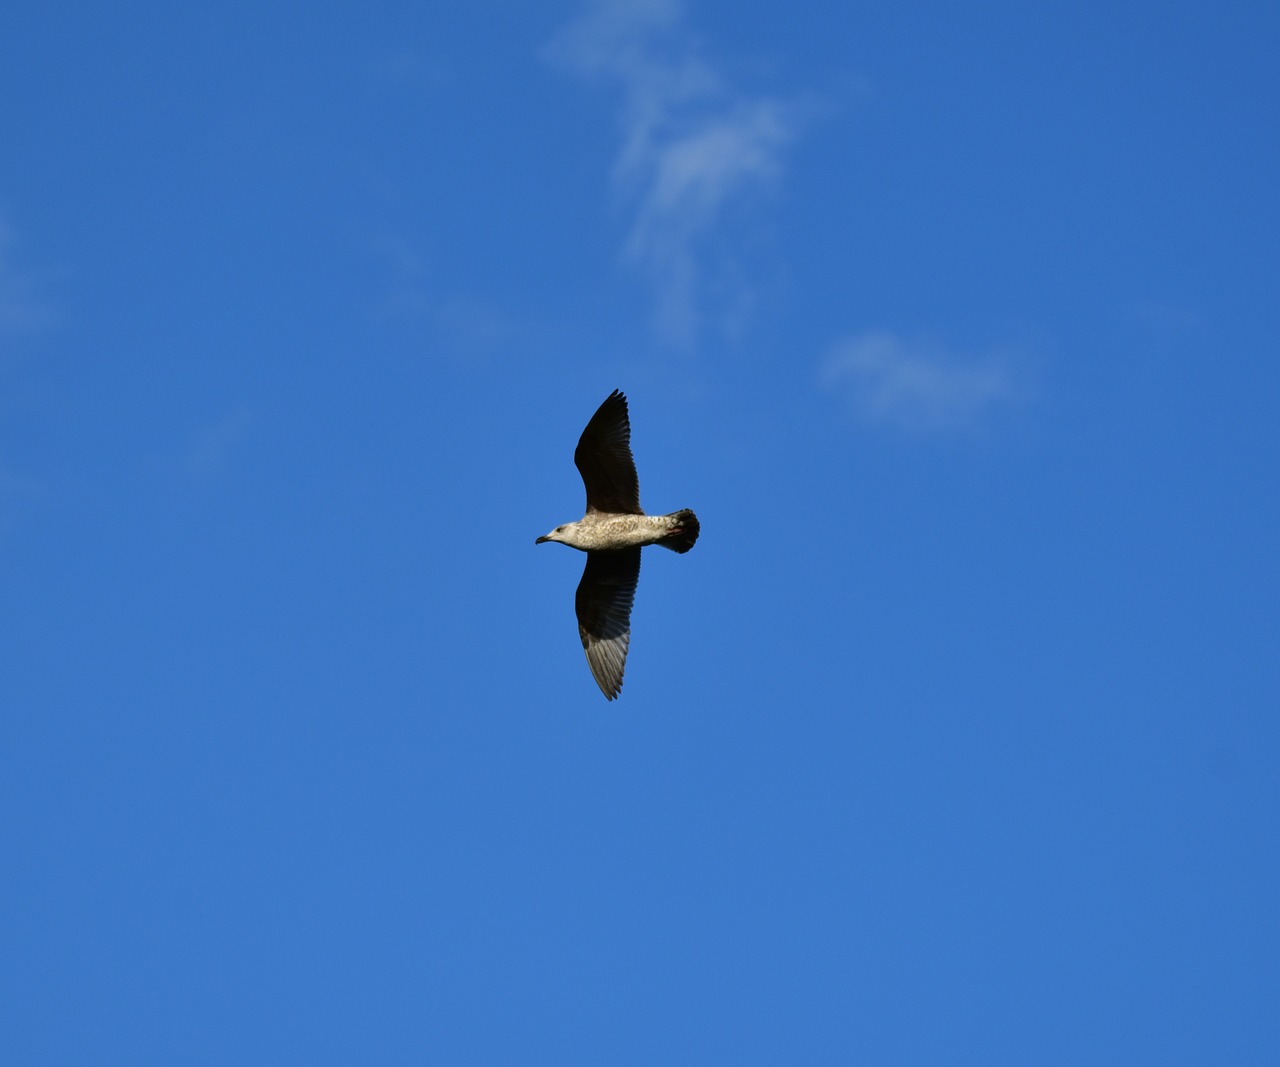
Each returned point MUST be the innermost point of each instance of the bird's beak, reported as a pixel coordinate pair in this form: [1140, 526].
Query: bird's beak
[541, 539]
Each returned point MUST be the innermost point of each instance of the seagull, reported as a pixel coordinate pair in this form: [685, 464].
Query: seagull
[612, 533]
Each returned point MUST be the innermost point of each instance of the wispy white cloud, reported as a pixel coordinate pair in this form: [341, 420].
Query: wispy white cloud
[20, 309]
[213, 444]
[919, 386]
[692, 144]
[406, 66]
[473, 327]
[1165, 320]
[444, 321]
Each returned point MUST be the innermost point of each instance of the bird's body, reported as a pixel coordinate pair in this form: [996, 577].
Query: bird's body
[600, 531]
[612, 533]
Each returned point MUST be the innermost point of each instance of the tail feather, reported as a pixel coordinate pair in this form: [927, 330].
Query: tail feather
[683, 532]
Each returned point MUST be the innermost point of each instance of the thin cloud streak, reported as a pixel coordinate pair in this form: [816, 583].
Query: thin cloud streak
[691, 144]
[213, 445]
[20, 311]
[918, 387]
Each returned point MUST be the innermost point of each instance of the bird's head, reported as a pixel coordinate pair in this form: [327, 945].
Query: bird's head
[558, 534]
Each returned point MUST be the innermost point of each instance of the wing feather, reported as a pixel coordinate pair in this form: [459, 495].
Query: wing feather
[603, 602]
[603, 458]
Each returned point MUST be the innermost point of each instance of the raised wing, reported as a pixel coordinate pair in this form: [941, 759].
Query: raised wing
[603, 603]
[603, 458]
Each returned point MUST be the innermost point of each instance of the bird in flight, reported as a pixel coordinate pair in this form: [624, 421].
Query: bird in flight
[612, 533]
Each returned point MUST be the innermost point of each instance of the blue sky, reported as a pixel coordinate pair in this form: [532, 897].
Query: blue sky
[954, 740]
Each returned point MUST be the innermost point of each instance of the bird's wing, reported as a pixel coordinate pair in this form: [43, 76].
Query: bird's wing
[603, 458]
[605, 596]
